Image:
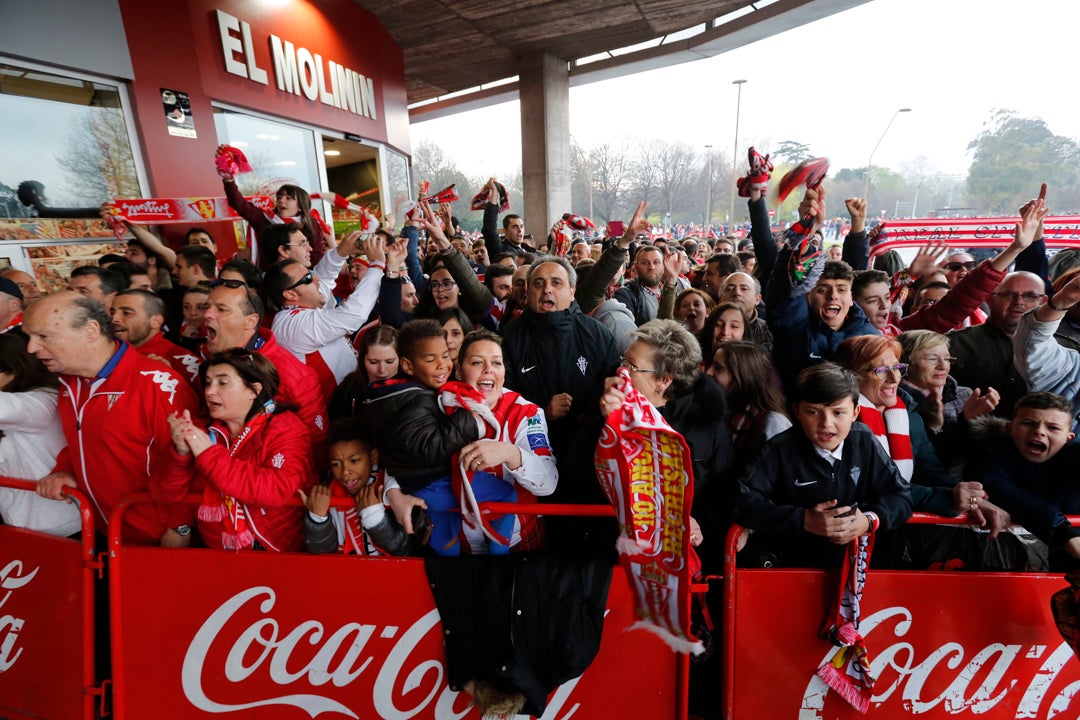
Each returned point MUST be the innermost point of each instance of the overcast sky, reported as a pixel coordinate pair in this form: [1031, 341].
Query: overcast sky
[832, 84]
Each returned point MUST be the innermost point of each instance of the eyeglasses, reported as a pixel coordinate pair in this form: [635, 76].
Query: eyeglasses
[936, 359]
[954, 266]
[306, 280]
[442, 284]
[634, 368]
[1012, 296]
[302, 243]
[884, 371]
[231, 284]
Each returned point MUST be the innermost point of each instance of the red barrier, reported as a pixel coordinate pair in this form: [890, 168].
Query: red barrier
[942, 644]
[47, 619]
[200, 633]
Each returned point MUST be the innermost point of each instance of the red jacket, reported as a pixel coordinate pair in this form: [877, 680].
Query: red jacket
[958, 304]
[263, 471]
[299, 387]
[118, 439]
[183, 362]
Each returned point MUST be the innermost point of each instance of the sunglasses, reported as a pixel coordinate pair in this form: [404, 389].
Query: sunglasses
[306, 280]
[231, 284]
[955, 266]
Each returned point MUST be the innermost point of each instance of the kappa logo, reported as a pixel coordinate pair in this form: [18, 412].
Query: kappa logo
[582, 364]
[164, 380]
[190, 363]
[319, 422]
[277, 461]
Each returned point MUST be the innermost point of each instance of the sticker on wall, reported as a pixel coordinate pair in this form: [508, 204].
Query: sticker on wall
[178, 113]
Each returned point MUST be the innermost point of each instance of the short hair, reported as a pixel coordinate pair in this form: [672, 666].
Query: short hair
[251, 303]
[201, 257]
[413, 332]
[455, 313]
[914, 341]
[507, 218]
[86, 309]
[28, 372]
[858, 352]
[868, 277]
[202, 288]
[705, 297]
[276, 236]
[499, 257]
[251, 274]
[477, 336]
[561, 261]
[493, 273]
[644, 248]
[346, 430]
[728, 263]
[837, 270]
[204, 231]
[824, 384]
[936, 285]
[677, 353]
[111, 281]
[110, 259]
[276, 281]
[890, 262]
[127, 270]
[136, 242]
[744, 256]
[1044, 401]
[252, 367]
[152, 304]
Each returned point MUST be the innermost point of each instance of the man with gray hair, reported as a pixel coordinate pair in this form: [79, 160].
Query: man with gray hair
[558, 357]
[113, 406]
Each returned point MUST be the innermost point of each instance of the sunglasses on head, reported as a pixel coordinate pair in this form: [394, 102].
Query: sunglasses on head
[955, 266]
[231, 284]
[306, 280]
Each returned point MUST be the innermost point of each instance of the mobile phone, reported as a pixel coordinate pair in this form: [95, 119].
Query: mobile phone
[850, 513]
[615, 229]
[421, 525]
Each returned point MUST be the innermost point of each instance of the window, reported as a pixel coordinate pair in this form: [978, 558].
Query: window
[278, 153]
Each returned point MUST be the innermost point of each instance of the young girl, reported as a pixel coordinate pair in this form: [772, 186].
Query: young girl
[756, 406]
[378, 361]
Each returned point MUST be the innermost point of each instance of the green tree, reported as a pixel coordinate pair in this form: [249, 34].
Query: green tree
[1012, 156]
[791, 152]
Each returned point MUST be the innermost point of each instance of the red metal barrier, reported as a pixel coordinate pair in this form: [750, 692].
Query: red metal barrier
[47, 619]
[200, 633]
[943, 644]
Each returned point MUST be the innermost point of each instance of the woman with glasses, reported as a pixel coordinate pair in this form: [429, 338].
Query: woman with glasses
[249, 463]
[888, 410]
[945, 406]
[30, 440]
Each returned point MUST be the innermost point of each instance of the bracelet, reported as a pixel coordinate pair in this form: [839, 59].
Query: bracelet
[1050, 302]
[873, 519]
[381, 264]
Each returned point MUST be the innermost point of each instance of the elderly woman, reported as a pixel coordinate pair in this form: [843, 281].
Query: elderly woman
[30, 440]
[886, 409]
[250, 463]
[664, 360]
[945, 406]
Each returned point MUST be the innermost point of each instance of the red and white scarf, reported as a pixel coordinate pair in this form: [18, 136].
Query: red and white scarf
[847, 671]
[217, 507]
[892, 430]
[645, 469]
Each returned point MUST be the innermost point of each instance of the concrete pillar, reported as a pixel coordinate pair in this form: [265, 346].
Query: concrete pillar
[544, 82]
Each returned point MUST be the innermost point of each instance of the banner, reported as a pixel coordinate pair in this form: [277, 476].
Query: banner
[165, 211]
[208, 633]
[644, 468]
[42, 646]
[946, 645]
[977, 232]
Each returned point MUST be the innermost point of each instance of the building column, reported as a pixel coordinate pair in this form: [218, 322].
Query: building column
[544, 83]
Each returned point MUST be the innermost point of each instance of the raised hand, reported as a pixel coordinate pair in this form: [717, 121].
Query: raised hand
[375, 249]
[1031, 219]
[318, 502]
[638, 224]
[981, 403]
[929, 258]
[856, 208]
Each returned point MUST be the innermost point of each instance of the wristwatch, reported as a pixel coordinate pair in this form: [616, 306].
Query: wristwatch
[182, 530]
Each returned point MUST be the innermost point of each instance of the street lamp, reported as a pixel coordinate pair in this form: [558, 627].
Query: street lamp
[708, 186]
[735, 154]
[870, 160]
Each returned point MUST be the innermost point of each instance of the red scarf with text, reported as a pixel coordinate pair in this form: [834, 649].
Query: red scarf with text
[848, 670]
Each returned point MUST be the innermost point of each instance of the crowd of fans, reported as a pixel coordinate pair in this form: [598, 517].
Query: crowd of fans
[416, 374]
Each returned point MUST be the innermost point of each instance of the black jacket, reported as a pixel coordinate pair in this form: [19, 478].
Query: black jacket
[564, 352]
[790, 477]
[520, 622]
[415, 438]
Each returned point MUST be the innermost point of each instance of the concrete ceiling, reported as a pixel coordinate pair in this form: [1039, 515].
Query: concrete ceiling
[454, 45]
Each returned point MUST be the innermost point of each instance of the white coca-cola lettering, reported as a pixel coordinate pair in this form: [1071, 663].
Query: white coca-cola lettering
[265, 646]
[11, 579]
[959, 695]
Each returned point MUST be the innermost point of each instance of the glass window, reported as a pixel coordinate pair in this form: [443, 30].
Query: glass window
[278, 153]
[65, 142]
[398, 187]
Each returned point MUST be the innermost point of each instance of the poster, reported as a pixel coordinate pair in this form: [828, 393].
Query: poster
[178, 117]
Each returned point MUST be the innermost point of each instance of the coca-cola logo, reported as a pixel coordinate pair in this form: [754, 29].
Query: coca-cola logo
[12, 578]
[320, 661]
[979, 682]
[148, 207]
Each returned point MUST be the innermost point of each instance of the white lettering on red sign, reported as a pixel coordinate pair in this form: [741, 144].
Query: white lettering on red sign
[265, 645]
[990, 665]
[11, 579]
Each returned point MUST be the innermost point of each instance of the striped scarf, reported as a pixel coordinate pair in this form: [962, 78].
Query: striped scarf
[892, 431]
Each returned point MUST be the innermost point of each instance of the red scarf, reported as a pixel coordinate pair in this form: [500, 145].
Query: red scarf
[848, 670]
[15, 322]
[892, 431]
[217, 507]
[645, 470]
[741, 424]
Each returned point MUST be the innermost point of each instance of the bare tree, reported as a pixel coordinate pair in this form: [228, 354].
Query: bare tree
[610, 179]
[96, 161]
[674, 163]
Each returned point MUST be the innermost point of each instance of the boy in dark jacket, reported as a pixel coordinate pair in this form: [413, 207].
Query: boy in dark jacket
[1033, 476]
[826, 480]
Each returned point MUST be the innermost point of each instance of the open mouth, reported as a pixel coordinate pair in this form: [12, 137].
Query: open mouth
[214, 407]
[486, 385]
[547, 304]
[351, 486]
[831, 311]
[1037, 447]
